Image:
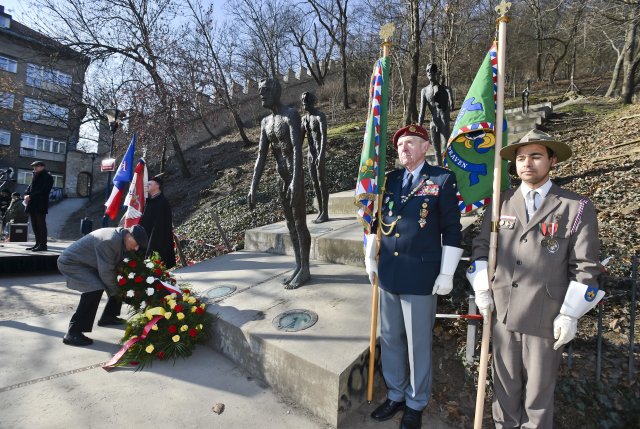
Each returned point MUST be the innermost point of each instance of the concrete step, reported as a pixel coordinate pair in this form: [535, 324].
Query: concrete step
[546, 107]
[322, 368]
[341, 204]
[524, 124]
[338, 241]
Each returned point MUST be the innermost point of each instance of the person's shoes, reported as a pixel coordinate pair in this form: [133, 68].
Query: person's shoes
[77, 339]
[387, 410]
[31, 248]
[412, 419]
[40, 248]
[111, 321]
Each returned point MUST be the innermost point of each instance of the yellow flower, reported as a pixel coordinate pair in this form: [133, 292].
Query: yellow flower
[154, 328]
[173, 296]
[199, 326]
[167, 315]
[175, 338]
[193, 309]
[191, 300]
[172, 304]
[202, 305]
[180, 315]
[149, 348]
[184, 328]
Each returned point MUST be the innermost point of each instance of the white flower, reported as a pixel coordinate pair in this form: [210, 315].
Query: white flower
[119, 278]
[143, 304]
[149, 264]
[150, 291]
[125, 260]
[131, 275]
[130, 293]
[150, 280]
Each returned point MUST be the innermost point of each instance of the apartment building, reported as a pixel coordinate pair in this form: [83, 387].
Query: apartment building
[41, 109]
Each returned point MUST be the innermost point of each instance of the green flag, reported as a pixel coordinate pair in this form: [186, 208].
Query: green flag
[471, 147]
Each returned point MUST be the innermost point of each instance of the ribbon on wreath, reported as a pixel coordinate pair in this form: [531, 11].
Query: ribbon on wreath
[147, 328]
[171, 288]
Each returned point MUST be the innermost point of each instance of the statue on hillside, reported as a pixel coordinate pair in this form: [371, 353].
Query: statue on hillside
[314, 126]
[440, 102]
[281, 131]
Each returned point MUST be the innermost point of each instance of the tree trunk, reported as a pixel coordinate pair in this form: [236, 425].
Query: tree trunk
[616, 75]
[628, 80]
[411, 110]
[240, 126]
[345, 90]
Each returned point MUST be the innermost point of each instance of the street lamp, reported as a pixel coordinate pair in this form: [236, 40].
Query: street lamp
[114, 116]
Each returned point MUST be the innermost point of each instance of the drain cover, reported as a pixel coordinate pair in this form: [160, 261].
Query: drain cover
[295, 320]
[219, 291]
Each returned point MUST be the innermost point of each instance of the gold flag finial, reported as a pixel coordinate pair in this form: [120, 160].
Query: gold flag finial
[503, 8]
[386, 31]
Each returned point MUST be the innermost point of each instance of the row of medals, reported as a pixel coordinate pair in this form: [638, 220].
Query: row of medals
[424, 212]
[550, 243]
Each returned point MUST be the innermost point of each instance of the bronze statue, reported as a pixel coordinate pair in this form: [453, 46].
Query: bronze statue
[281, 131]
[314, 126]
[438, 98]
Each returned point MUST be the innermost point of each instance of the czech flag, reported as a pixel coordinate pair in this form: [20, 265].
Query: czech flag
[137, 195]
[120, 181]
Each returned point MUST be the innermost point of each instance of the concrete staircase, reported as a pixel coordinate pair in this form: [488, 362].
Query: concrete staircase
[520, 123]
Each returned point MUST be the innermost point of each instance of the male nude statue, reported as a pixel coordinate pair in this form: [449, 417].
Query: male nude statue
[314, 126]
[438, 98]
[281, 131]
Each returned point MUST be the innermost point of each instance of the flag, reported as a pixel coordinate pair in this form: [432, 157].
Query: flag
[471, 147]
[374, 147]
[137, 194]
[120, 181]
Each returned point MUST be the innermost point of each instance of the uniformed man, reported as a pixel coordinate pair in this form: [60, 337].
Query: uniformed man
[545, 280]
[419, 252]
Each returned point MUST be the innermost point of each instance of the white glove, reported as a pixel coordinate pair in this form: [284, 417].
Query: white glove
[564, 330]
[484, 301]
[370, 264]
[450, 258]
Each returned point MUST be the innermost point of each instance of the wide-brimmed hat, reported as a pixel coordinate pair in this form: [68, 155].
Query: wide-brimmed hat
[410, 130]
[560, 150]
[140, 235]
[38, 164]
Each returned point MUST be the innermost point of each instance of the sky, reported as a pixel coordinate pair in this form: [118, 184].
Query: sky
[15, 8]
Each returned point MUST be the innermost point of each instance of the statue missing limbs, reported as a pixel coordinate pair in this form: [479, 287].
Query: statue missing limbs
[314, 126]
[281, 131]
[438, 98]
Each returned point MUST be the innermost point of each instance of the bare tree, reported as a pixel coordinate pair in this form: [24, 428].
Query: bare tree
[314, 44]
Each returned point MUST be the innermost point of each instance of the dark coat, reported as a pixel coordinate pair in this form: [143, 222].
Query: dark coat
[16, 212]
[90, 263]
[157, 221]
[39, 190]
[410, 254]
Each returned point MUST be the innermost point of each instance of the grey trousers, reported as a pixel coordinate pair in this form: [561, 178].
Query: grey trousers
[406, 324]
[525, 369]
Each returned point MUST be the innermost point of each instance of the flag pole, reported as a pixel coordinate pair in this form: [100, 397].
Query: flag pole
[502, 9]
[386, 33]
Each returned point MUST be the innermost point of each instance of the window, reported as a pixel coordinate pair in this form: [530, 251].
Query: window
[45, 113]
[41, 143]
[25, 176]
[42, 77]
[6, 100]
[7, 64]
[5, 138]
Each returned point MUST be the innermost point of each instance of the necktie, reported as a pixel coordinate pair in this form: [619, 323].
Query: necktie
[406, 189]
[532, 206]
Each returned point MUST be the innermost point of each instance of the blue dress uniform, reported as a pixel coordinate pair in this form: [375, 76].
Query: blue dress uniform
[414, 228]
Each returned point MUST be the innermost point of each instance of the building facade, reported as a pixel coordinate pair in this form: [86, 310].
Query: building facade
[41, 84]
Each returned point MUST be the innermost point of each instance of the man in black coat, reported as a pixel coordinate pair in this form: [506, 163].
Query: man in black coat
[157, 221]
[37, 199]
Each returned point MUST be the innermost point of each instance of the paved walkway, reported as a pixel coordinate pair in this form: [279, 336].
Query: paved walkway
[58, 214]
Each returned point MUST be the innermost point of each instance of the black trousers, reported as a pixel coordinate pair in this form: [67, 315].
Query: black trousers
[82, 320]
[39, 225]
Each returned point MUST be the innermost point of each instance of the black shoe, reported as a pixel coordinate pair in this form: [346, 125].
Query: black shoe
[387, 410]
[77, 339]
[111, 321]
[31, 248]
[40, 248]
[412, 419]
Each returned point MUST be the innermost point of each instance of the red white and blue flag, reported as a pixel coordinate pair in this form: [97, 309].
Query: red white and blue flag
[120, 181]
[137, 195]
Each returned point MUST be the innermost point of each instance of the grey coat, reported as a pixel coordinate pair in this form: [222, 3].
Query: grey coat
[90, 263]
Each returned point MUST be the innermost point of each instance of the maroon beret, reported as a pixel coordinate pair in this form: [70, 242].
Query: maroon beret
[410, 130]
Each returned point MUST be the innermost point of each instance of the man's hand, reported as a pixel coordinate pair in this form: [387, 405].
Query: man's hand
[27, 198]
[564, 330]
[484, 301]
[443, 284]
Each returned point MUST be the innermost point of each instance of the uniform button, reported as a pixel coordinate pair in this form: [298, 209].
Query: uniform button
[399, 217]
[514, 284]
[397, 235]
[395, 253]
[519, 262]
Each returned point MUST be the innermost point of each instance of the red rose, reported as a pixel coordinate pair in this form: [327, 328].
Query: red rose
[160, 355]
[122, 281]
[178, 308]
[172, 329]
[132, 264]
[133, 362]
[158, 271]
[138, 279]
[192, 332]
[173, 282]
[199, 310]
[186, 291]
[158, 286]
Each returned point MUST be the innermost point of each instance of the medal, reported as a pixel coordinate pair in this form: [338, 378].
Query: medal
[550, 243]
[544, 242]
[390, 213]
[423, 215]
[553, 245]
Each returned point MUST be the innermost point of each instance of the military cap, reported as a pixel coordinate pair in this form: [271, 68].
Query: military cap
[38, 164]
[560, 150]
[140, 235]
[410, 130]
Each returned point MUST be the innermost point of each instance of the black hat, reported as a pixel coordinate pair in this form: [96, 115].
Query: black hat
[38, 164]
[158, 179]
[140, 235]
